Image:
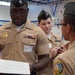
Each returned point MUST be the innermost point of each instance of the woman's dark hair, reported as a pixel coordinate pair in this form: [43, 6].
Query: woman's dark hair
[69, 19]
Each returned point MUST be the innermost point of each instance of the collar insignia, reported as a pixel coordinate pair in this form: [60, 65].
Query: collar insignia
[20, 1]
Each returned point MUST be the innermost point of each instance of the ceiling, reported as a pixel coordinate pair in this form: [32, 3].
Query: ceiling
[40, 1]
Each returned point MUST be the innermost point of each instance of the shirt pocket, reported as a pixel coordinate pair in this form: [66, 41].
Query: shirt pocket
[7, 46]
[28, 45]
[5, 41]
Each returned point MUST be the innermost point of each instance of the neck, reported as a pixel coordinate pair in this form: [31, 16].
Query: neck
[72, 37]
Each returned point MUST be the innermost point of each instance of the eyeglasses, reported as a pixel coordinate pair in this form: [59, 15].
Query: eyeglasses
[61, 24]
[21, 11]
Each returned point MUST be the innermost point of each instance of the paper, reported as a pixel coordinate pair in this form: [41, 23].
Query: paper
[14, 67]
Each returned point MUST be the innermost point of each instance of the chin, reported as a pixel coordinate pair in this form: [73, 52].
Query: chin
[47, 33]
[18, 24]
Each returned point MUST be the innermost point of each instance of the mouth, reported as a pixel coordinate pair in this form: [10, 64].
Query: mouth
[17, 20]
[47, 29]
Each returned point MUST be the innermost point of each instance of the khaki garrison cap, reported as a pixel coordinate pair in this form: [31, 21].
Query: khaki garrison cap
[69, 8]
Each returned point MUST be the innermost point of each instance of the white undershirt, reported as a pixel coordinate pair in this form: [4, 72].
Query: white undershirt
[19, 27]
[48, 36]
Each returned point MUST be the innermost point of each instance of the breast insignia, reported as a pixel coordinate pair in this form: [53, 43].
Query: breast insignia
[5, 34]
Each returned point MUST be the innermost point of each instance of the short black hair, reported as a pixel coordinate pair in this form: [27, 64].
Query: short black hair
[19, 3]
[43, 15]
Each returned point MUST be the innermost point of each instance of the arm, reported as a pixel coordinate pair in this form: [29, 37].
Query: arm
[1, 47]
[43, 61]
[62, 67]
[58, 67]
[42, 51]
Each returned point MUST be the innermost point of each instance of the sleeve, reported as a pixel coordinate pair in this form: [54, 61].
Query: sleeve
[61, 68]
[42, 43]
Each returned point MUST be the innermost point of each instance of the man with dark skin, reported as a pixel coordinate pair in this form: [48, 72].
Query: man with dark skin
[23, 40]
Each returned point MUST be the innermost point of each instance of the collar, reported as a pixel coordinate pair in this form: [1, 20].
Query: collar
[52, 37]
[71, 45]
[19, 27]
[28, 25]
[48, 36]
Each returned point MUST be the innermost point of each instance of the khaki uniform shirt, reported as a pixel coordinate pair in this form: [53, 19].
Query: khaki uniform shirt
[64, 64]
[55, 40]
[24, 44]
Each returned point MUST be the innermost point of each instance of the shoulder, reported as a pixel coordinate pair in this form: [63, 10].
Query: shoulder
[63, 57]
[5, 25]
[61, 64]
[57, 36]
[58, 67]
[37, 29]
[33, 26]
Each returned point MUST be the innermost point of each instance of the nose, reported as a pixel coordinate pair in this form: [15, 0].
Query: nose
[47, 25]
[17, 14]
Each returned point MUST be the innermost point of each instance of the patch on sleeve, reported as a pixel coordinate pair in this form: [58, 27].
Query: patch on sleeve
[58, 68]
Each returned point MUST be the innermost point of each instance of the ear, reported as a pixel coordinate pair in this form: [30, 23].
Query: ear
[68, 28]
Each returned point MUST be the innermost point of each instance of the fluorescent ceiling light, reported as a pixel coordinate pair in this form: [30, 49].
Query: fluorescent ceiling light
[4, 3]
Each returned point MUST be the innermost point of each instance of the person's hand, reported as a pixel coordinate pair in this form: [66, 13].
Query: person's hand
[53, 53]
[61, 49]
[32, 70]
[56, 51]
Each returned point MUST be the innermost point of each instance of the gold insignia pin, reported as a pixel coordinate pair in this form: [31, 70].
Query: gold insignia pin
[20, 1]
[5, 34]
